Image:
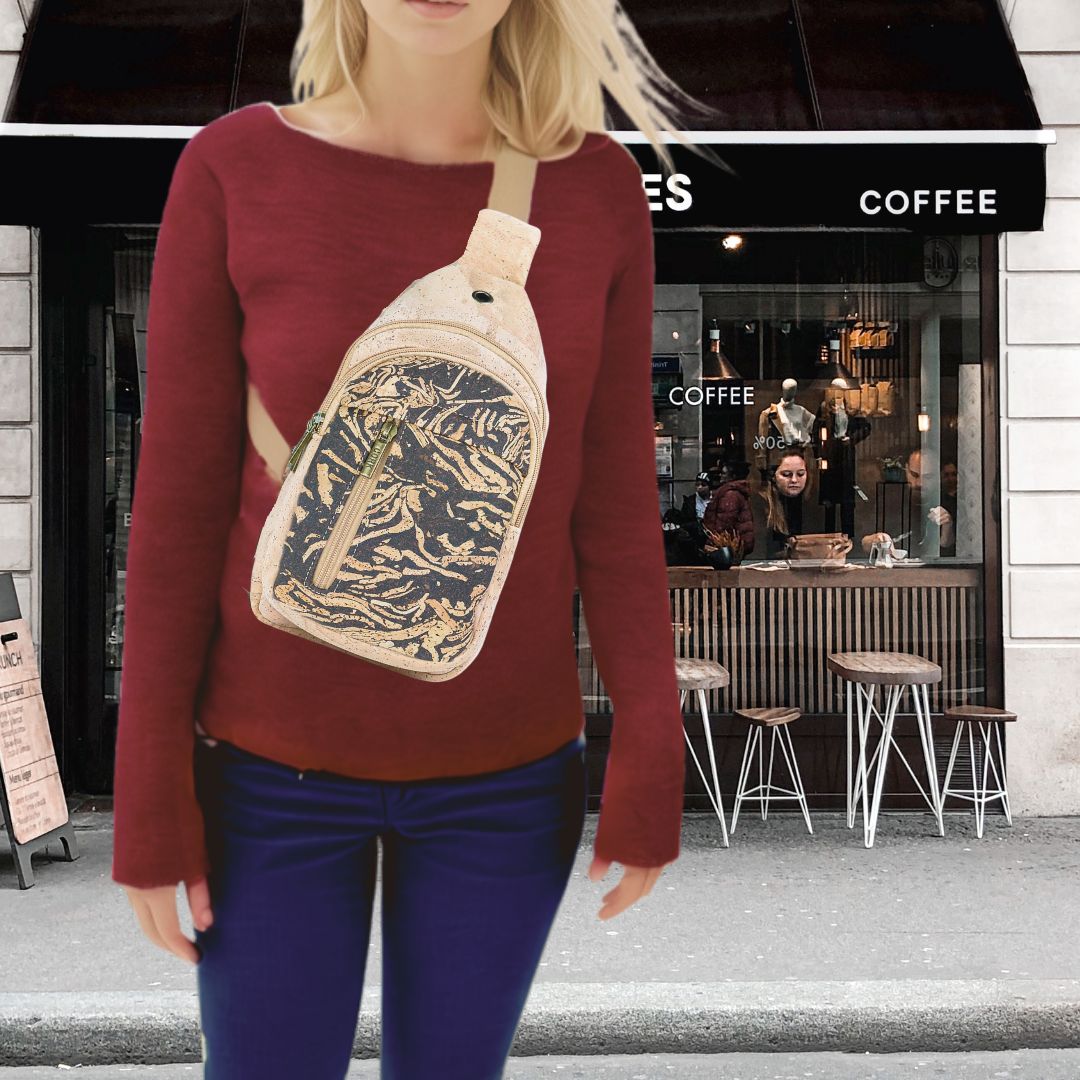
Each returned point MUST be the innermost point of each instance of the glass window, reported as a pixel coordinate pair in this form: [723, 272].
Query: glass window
[819, 430]
[837, 389]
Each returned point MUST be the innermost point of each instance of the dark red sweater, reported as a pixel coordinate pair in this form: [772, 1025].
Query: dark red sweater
[276, 249]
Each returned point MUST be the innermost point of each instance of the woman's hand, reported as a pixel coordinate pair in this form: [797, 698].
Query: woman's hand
[156, 911]
[637, 881]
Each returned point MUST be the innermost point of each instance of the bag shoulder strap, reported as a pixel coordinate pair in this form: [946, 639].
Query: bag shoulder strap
[512, 181]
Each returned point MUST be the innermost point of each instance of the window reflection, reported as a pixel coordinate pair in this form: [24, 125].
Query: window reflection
[835, 380]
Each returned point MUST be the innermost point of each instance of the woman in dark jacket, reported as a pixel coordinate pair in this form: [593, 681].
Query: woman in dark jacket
[729, 508]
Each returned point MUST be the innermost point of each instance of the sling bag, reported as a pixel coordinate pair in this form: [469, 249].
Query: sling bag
[401, 505]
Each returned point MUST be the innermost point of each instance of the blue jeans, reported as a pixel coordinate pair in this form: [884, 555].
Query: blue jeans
[473, 872]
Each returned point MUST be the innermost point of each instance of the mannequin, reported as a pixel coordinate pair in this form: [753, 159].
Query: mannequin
[835, 434]
[783, 425]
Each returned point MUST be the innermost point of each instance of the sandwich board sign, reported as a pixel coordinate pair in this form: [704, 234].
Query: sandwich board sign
[31, 794]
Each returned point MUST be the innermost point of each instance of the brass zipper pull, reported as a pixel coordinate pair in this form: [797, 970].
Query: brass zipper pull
[298, 450]
[387, 430]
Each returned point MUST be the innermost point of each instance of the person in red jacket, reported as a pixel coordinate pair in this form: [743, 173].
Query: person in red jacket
[730, 509]
[267, 773]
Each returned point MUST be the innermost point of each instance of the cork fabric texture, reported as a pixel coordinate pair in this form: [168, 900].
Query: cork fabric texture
[447, 294]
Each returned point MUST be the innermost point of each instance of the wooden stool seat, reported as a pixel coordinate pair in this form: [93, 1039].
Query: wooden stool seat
[695, 674]
[769, 717]
[977, 712]
[884, 668]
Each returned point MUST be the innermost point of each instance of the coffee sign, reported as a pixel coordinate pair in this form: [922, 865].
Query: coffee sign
[929, 187]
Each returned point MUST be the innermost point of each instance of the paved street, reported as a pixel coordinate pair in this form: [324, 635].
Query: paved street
[783, 942]
[1005, 1065]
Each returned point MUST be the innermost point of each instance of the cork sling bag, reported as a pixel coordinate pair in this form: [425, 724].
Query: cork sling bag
[401, 505]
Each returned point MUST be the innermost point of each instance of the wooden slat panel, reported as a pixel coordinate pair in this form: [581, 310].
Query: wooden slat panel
[775, 641]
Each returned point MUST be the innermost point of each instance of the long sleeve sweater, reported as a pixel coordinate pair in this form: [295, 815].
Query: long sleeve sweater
[277, 247]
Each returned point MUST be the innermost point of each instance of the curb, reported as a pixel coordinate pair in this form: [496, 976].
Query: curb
[600, 1018]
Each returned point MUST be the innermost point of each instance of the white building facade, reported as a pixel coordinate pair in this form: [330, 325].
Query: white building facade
[1040, 420]
[1040, 364]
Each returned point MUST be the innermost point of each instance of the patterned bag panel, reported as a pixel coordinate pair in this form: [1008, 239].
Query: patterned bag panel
[449, 399]
[405, 555]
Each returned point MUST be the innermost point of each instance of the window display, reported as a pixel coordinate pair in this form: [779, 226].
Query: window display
[865, 371]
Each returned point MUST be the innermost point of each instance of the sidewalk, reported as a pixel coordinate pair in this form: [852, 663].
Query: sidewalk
[781, 942]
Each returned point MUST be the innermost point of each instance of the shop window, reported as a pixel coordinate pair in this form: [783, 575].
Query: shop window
[860, 352]
[829, 383]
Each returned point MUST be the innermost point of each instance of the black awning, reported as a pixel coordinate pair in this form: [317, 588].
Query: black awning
[830, 65]
[812, 103]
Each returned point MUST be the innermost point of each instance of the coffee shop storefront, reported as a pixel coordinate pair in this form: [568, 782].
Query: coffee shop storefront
[836, 296]
[849, 248]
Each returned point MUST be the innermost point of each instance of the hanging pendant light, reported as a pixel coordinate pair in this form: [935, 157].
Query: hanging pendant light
[715, 364]
[830, 367]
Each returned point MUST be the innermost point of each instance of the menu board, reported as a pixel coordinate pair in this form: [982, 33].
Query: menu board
[30, 779]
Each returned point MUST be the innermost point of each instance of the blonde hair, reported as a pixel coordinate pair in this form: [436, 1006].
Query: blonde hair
[775, 517]
[550, 61]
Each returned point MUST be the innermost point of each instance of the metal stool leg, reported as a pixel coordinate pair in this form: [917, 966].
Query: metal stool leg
[793, 771]
[744, 771]
[976, 795]
[1001, 780]
[701, 771]
[847, 775]
[768, 784]
[864, 703]
[921, 695]
[999, 792]
[978, 791]
[945, 789]
[706, 722]
[980, 824]
[866, 698]
[892, 700]
[712, 790]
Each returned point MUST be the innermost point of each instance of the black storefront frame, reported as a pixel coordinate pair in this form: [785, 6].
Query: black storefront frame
[75, 266]
[993, 583]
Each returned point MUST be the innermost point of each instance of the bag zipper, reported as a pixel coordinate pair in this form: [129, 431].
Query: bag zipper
[298, 450]
[315, 424]
[371, 468]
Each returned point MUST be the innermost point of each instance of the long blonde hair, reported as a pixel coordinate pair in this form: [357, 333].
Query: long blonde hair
[550, 61]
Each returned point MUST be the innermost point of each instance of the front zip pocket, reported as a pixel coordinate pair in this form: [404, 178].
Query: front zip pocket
[442, 505]
[371, 468]
[422, 471]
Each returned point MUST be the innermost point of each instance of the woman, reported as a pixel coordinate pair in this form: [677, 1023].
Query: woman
[285, 233]
[783, 495]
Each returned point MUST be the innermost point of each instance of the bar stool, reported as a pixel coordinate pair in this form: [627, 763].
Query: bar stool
[864, 672]
[699, 676]
[966, 717]
[777, 720]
